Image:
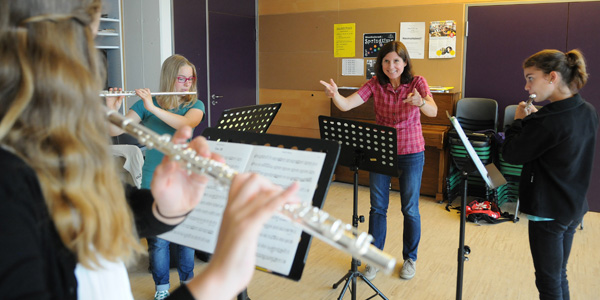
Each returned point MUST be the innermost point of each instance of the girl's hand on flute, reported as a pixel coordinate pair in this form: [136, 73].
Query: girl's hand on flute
[114, 102]
[175, 191]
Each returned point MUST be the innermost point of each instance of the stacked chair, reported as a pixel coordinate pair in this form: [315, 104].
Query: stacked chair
[512, 173]
[478, 118]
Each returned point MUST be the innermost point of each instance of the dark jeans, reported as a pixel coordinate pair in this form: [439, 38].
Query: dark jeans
[411, 171]
[160, 262]
[550, 244]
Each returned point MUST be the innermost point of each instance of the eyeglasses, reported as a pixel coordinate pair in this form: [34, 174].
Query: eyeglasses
[183, 79]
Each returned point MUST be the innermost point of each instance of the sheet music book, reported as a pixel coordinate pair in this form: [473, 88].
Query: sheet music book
[279, 238]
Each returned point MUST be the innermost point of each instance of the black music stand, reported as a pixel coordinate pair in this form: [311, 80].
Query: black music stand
[492, 177]
[368, 147]
[254, 118]
[332, 151]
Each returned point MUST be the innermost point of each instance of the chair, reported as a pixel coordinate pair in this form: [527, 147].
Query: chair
[512, 173]
[477, 114]
[509, 116]
[479, 118]
[131, 159]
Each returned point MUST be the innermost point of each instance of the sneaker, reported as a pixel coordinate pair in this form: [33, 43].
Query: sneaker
[409, 269]
[161, 295]
[370, 272]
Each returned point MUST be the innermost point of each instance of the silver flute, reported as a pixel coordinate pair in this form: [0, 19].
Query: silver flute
[530, 100]
[312, 220]
[132, 93]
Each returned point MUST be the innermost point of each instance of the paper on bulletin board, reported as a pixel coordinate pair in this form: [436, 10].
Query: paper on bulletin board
[372, 42]
[442, 39]
[344, 40]
[412, 35]
[353, 67]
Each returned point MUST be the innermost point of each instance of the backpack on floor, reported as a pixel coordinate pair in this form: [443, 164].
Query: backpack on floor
[487, 211]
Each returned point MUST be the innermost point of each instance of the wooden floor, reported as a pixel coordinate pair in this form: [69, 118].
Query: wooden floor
[499, 265]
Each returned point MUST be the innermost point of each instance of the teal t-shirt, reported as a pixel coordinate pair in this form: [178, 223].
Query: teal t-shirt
[152, 122]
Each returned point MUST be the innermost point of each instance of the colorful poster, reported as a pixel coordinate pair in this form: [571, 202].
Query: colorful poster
[344, 41]
[374, 41]
[412, 35]
[442, 39]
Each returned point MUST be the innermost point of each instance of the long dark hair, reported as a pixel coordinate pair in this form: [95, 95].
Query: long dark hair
[395, 46]
[570, 65]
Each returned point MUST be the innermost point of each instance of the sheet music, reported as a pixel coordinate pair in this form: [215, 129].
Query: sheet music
[279, 238]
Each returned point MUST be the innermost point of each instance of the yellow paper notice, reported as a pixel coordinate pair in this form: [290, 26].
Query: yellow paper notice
[344, 40]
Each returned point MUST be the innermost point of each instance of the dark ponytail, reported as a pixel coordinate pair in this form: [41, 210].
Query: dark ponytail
[570, 65]
[576, 63]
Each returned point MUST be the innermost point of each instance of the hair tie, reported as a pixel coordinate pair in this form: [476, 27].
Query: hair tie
[174, 217]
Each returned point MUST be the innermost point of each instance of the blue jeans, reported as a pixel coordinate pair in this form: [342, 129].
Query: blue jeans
[550, 243]
[160, 262]
[410, 168]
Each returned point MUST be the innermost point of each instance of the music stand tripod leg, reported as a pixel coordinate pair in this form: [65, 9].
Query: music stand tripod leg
[353, 273]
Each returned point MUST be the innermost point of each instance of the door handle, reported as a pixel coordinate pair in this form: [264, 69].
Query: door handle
[214, 97]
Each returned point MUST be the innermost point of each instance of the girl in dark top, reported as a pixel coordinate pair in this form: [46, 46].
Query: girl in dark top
[555, 145]
[66, 227]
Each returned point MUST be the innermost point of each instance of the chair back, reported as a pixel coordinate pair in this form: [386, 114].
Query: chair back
[509, 115]
[477, 113]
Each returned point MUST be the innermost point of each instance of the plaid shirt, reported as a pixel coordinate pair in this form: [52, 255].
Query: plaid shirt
[392, 112]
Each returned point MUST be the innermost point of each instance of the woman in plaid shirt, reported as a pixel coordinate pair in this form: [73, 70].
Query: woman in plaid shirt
[400, 98]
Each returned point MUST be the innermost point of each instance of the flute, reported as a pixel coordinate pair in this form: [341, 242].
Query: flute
[530, 100]
[132, 93]
[312, 220]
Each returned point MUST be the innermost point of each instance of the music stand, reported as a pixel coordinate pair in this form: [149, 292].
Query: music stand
[253, 118]
[332, 151]
[368, 147]
[493, 179]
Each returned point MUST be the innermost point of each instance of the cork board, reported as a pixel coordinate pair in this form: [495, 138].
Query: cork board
[296, 50]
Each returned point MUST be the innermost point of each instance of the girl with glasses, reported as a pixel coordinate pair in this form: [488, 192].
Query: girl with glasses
[165, 114]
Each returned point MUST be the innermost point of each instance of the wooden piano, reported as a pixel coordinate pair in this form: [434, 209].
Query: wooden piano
[435, 132]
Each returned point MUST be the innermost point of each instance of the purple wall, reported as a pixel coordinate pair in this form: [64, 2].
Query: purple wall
[501, 37]
[584, 34]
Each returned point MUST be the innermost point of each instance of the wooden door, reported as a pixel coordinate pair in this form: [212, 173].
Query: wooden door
[222, 49]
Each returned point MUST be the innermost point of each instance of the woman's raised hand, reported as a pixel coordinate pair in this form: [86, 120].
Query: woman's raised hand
[330, 88]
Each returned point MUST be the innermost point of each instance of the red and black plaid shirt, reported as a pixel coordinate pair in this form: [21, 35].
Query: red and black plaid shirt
[392, 112]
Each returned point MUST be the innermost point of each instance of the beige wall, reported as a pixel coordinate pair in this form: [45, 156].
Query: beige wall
[271, 7]
[296, 49]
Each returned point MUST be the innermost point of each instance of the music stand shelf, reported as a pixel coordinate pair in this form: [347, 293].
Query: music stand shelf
[364, 146]
[254, 118]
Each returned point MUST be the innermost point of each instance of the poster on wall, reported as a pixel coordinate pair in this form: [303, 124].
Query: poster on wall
[374, 41]
[442, 39]
[353, 67]
[371, 68]
[412, 35]
[344, 40]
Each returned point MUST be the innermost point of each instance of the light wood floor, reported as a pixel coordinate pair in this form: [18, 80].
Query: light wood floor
[499, 265]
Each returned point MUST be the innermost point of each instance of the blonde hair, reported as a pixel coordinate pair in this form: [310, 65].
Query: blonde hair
[52, 117]
[168, 76]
